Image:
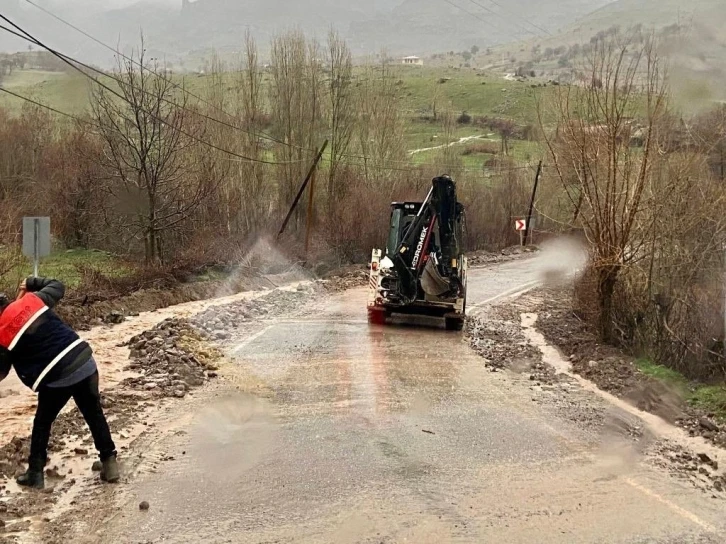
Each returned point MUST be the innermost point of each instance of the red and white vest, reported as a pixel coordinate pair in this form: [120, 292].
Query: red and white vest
[41, 346]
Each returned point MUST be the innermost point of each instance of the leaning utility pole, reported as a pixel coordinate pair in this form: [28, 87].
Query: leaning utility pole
[309, 219]
[528, 226]
[302, 187]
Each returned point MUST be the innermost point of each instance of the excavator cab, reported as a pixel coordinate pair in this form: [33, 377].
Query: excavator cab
[402, 216]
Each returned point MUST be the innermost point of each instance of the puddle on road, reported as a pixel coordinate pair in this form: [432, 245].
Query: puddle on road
[656, 425]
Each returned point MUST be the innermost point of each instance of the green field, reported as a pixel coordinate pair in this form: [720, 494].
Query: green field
[454, 90]
[65, 266]
[69, 93]
[462, 90]
[468, 90]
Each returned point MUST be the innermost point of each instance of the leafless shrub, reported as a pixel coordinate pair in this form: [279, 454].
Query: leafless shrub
[484, 148]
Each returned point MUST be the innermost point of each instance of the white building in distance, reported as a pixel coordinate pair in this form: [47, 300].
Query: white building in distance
[412, 60]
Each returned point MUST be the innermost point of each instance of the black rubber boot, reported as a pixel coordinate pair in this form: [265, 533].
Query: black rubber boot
[109, 471]
[33, 477]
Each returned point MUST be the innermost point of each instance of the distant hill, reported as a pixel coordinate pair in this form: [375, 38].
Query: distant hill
[431, 26]
[652, 14]
[399, 26]
[691, 35]
[657, 13]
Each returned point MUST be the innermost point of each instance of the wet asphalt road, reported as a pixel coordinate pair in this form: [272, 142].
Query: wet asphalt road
[355, 434]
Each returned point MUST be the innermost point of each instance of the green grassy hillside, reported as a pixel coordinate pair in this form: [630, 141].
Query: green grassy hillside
[457, 89]
[657, 13]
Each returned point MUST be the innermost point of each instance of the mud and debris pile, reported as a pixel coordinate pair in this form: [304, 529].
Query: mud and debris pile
[498, 339]
[219, 322]
[13, 456]
[345, 280]
[167, 359]
[603, 365]
[699, 424]
[120, 408]
[180, 354]
[483, 257]
[699, 469]
[614, 371]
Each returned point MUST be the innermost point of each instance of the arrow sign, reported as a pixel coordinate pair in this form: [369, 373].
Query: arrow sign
[520, 224]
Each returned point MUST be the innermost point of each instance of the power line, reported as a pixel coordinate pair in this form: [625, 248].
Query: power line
[69, 61]
[120, 82]
[373, 166]
[260, 134]
[488, 9]
[477, 16]
[74, 62]
[176, 85]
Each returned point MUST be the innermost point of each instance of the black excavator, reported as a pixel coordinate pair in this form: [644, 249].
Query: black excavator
[422, 270]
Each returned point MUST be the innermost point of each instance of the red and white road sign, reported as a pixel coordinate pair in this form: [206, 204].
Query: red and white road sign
[520, 224]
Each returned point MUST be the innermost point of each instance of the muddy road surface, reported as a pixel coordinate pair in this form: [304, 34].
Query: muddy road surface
[329, 430]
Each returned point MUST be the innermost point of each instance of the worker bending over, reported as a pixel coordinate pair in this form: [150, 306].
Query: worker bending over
[50, 358]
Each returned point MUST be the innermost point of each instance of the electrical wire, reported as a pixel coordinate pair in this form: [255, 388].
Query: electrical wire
[74, 63]
[68, 60]
[260, 134]
[49, 108]
[488, 9]
[477, 16]
[410, 169]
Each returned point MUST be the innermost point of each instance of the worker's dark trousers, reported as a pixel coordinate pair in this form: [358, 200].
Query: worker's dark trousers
[52, 400]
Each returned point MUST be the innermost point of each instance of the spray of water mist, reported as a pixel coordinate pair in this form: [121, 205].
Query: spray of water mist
[264, 258]
[561, 260]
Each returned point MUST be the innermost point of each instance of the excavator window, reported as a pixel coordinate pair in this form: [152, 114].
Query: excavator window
[394, 234]
[401, 221]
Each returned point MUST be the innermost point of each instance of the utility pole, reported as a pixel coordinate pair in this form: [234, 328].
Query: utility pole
[309, 220]
[724, 301]
[528, 226]
[302, 187]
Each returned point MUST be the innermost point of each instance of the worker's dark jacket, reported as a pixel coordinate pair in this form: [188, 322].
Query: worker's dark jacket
[35, 341]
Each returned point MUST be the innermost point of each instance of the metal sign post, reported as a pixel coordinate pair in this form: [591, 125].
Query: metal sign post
[36, 239]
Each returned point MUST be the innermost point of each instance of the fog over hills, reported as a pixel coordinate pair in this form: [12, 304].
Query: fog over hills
[177, 28]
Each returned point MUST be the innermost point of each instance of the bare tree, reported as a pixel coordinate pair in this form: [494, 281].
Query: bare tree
[296, 102]
[342, 110]
[149, 134]
[449, 151]
[381, 126]
[72, 169]
[255, 188]
[604, 176]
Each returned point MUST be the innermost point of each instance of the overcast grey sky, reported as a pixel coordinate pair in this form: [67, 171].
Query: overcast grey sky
[113, 3]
